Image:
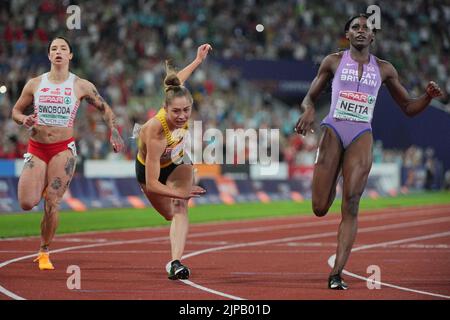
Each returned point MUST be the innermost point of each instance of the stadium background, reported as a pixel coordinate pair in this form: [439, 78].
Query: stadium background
[250, 80]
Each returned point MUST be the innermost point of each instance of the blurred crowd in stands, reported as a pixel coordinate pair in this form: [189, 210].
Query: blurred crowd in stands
[420, 167]
[122, 45]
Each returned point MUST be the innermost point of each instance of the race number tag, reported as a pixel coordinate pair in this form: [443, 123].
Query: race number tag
[73, 148]
[354, 106]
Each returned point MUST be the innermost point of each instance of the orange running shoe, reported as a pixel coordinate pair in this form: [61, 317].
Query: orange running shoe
[44, 261]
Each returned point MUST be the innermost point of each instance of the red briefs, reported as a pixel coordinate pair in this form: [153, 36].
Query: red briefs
[46, 151]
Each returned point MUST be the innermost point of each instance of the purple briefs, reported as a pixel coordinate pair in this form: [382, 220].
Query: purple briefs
[346, 131]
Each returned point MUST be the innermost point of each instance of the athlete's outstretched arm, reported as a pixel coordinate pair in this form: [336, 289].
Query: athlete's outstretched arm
[410, 106]
[202, 53]
[25, 99]
[306, 121]
[93, 97]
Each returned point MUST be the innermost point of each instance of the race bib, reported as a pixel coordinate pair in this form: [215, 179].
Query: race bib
[354, 106]
[54, 111]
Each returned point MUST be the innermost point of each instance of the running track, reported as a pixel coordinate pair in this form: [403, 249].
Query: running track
[277, 258]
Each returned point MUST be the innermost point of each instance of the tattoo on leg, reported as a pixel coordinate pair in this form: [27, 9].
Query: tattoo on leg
[70, 164]
[66, 186]
[46, 207]
[29, 164]
[56, 184]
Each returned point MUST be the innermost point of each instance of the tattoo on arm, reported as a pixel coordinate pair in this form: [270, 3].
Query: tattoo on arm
[96, 100]
[100, 106]
[90, 100]
[115, 134]
[97, 95]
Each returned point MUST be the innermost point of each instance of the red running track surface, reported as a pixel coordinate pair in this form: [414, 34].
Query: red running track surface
[265, 259]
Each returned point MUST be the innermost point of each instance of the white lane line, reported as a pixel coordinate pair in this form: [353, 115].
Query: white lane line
[11, 294]
[384, 244]
[319, 235]
[311, 236]
[370, 216]
[219, 293]
[30, 256]
[215, 233]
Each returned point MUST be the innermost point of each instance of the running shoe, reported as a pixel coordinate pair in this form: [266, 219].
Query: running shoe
[44, 261]
[335, 282]
[178, 271]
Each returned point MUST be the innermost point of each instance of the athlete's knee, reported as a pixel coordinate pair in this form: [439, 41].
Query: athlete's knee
[29, 201]
[179, 206]
[27, 204]
[166, 213]
[320, 209]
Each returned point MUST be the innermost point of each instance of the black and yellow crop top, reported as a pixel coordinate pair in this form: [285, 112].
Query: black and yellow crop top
[176, 139]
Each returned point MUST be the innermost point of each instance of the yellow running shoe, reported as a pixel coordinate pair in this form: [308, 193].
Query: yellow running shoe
[44, 261]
